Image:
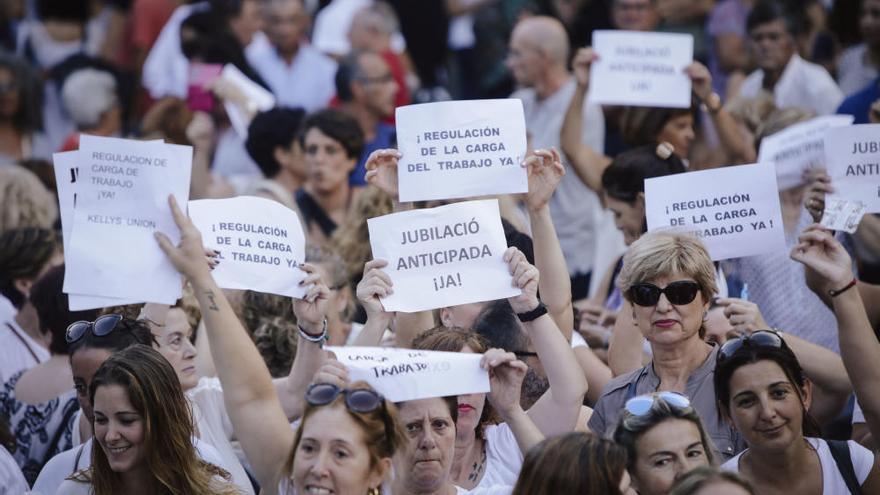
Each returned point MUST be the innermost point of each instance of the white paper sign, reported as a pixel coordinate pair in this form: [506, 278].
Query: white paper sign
[261, 243]
[66, 172]
[461, 149]
[409, 374]
[443, 256]
[841, 214]
[255, 94]
[734, 210]
[641, 69]
[799, 148]
[121, 200]
[853, 162]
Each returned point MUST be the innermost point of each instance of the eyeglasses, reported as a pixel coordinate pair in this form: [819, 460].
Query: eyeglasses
[642, 404]
[761, 338]
[678, 293]
[386, 78]
[102, 326]
[359, 400]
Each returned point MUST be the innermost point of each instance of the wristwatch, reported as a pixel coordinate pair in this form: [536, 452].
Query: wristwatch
[534, 314]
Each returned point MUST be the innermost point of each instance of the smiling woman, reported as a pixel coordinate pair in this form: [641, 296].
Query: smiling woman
[143, 424]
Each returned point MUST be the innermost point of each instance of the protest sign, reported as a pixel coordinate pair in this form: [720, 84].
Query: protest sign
[443, 256]
[841, 214]
[852, 155]
[734, 210]
[409, 374]
[461, 149]
[122, 194]
[66, 172]
[641, 69]
[261, 243]
[799, 148]
[255, 95]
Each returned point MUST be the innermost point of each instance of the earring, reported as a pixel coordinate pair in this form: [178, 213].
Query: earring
[635, 321]
[374, 491]
[705, 314]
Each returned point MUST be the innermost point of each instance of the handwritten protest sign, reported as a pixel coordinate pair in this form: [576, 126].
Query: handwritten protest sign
[641, 69]
[461, 149]
[408, 374]
[261, 243]
[840, 214]
[853, 161]
[799, 148]
[121, 200]
[443, 256]
[66, 172]
[734, 210]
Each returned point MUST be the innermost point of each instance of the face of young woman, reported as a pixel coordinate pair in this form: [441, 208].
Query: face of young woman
[766, 407]
[84, 363]
[176, 347]
[430, 431]
[327, 163]
[119, 429]
[665, 323]
[332, 456]
[679, 132]
[629, 218]
[665, 453]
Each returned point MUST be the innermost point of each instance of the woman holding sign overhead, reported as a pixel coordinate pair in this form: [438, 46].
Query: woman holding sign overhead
[347, 436]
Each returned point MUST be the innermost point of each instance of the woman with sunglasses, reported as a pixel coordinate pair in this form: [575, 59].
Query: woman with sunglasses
[664, 439]
[669, 279]
[143, 425]
[765, 394]
[344, 443]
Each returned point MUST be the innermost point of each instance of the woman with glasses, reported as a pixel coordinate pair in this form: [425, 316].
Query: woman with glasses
[664, 439]
[764, 393]
[347, 437]
[144, 427]
[669, 280]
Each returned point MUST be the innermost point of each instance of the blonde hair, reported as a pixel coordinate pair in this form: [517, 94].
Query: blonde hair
[26, 201]
[352, 239]
[659, 254]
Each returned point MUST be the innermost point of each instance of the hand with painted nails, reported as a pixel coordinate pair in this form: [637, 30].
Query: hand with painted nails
[374, 285]
[382, 170]
[525, 277]
[545, 170]
[188, 257]
[506, 374]
[311, 310]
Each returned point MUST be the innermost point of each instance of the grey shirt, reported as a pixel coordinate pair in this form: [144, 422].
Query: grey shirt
[700, 390]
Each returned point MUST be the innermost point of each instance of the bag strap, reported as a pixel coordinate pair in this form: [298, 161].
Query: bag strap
[843, 458]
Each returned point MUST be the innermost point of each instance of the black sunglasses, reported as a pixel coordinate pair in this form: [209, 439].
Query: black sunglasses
[102, 326]
[761, 338]
[679, 293]
[359, 400]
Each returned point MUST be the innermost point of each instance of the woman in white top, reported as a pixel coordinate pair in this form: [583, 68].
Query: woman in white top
[762, 390]
[143, 426]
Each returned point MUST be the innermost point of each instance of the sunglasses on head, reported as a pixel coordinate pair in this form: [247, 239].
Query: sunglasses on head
[678, 293]
[761, 338]
[642, 404]
[359, 400]
[102, 326]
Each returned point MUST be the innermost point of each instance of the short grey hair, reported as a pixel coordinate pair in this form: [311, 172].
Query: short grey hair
[87, 94]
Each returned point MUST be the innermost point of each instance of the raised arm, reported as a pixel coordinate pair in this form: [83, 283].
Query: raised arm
[587, 163]
[249, 395]
[821, 253]
[374, 285]
[506, 375]
[558, 409]
[545, 170]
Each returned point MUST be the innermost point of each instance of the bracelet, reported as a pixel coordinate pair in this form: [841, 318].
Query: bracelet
[539, 311]
[314, 338]
[837, 292]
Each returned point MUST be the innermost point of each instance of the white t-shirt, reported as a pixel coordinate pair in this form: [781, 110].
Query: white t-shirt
[802, 84]
[308, 82]
[215, 427]
[18, 351]
[55, 472]
[12, 482]
[503, 457]
[482, 490]
[832, 480]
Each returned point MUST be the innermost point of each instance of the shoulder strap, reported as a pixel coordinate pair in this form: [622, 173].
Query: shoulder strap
[53, 446]
[843, 458]
[79, 454]
[312, 211]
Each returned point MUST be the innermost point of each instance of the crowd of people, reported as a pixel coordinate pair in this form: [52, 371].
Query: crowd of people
[630, 362]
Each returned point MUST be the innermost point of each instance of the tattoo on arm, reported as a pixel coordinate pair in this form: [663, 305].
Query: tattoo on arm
[213, 303]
